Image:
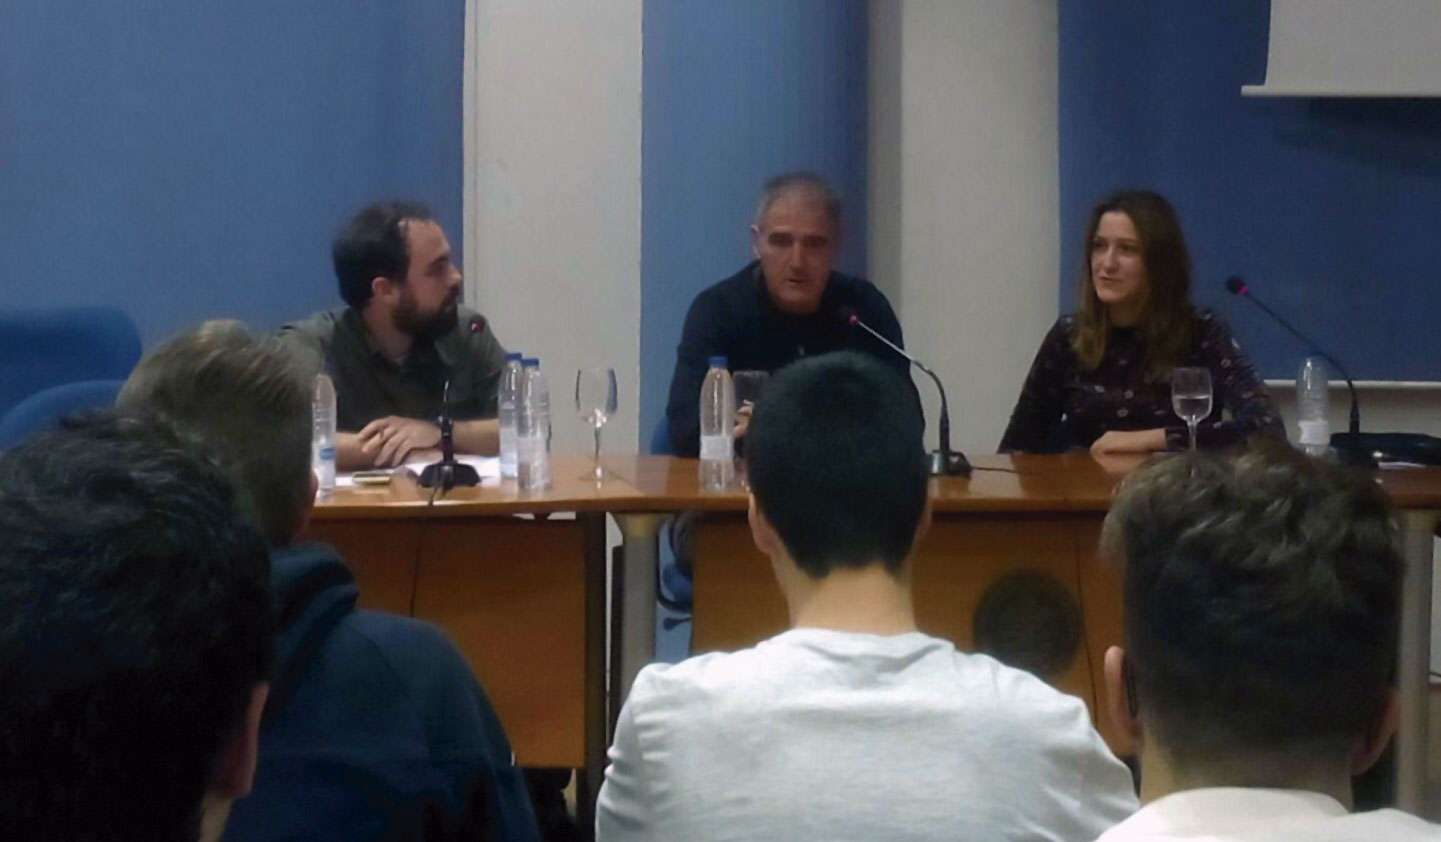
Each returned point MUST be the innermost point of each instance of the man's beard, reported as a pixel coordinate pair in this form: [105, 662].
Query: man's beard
[408, 320]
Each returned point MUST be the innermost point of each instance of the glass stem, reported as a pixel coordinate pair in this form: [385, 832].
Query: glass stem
[597, 453]
[1192, 425]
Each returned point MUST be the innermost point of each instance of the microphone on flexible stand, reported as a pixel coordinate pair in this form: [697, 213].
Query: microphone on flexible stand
[943, 461]
[1355, 447]
[447, 473]
[1238, 287]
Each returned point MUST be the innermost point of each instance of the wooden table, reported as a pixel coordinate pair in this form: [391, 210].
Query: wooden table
[520, 592]
[525, 599]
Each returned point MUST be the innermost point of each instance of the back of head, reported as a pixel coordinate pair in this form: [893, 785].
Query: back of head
[137, 623]
[1261, 601]
[836, 462]
[247, 399]
[373, 244]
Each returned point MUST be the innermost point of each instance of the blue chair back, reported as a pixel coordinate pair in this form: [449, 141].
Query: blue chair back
[42, 409]
[43, 348]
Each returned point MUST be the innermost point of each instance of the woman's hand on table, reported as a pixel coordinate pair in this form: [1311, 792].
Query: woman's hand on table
[1130, 441]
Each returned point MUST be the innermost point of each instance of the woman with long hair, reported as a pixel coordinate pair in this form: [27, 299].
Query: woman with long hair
[1102, 376]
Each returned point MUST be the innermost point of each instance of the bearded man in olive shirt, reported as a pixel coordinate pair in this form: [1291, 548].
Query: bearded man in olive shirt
[403, 336]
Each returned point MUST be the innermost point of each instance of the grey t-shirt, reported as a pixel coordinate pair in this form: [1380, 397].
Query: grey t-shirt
[825, 735]
[370, 386]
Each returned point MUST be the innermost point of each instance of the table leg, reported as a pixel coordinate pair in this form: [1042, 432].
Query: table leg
[633, 603]
[597, 722]
[1414, 669]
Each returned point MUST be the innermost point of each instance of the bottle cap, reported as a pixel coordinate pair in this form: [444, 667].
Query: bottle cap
[514, 357]
[531, 362]
[717, 362]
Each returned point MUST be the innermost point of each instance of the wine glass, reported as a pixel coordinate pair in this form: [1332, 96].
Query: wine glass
[1191, 396]
[595, 401]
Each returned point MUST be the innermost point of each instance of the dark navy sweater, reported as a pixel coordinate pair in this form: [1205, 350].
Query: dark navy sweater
[736, 319]
[375, 728]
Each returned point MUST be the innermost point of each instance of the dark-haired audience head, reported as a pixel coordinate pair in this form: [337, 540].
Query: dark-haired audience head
[395, 256]
[836, 466]
[248, 400]
[136, 641]
[1261, 594]
[1135, 263]
[795, 235]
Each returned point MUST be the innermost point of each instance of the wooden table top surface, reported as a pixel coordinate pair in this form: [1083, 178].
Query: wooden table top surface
[1072, 482]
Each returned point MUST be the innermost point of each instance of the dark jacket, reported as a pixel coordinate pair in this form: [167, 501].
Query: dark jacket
[375, 728]
[736, 319]
[1063, 405]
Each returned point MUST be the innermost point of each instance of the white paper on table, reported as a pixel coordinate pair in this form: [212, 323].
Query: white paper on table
[487, 466]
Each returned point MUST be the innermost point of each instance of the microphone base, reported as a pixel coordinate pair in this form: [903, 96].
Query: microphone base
[949, 463]
[462, 475]
[1356, 457]
[1365, 449]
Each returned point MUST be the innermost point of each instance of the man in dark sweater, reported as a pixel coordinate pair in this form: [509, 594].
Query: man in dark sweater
[786, 304]
[375, 727]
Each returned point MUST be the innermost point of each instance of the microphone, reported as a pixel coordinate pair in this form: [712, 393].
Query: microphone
[1238, 287]
[944, 461]
[447, 473]
[1355, 447]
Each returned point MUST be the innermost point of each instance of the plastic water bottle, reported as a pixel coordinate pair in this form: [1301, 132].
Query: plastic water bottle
[532, 429]
[1312, 415]
[508, 398]
[322, 432]
[717, 427]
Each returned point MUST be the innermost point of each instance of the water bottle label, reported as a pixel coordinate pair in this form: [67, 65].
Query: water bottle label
[716, 448]
[1315, 432]
[327, 453]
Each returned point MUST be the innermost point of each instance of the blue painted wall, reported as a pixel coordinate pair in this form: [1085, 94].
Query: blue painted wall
[1332, 208]
[186, 160]
[734, 93]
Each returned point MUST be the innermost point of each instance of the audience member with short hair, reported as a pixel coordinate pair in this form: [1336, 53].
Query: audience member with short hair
[376, 728]
[1261, 611]
[136, 641]
[853, 724]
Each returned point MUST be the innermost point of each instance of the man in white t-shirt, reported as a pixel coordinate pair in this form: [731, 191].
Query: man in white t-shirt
[853, 725]
[1261, 600]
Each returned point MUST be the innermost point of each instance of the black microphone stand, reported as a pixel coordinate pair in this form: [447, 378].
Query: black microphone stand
[447, 473]
[944, 462]
[1349, 446]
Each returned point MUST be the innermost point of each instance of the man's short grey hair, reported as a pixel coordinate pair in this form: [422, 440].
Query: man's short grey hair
[245, 399]
[808, 183]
